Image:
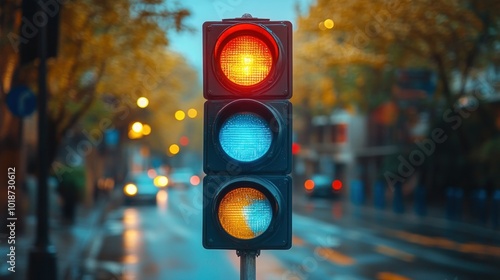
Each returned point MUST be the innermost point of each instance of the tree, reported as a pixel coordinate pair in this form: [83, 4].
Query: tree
[105, 49]
[456, 39]
[450, 36]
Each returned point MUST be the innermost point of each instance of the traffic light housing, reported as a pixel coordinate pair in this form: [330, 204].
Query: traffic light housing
[247, 81]
[264, 71]
[274, 118]
[247, 212]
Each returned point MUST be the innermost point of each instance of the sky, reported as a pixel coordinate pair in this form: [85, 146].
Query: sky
[190, 44]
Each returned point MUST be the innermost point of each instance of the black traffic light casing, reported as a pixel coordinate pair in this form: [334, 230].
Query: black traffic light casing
[277, 86]
[30, 33]
[263, 97]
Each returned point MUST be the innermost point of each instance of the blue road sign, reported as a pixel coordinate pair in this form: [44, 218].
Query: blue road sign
[111, 137]
[21, 101]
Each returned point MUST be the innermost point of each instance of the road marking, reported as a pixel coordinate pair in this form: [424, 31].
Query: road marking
[480, 249]
[388, 251]
[444, 243]
[390, 276]
[334, 256]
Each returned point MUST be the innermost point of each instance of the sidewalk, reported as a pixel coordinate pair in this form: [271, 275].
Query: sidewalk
[69, 241]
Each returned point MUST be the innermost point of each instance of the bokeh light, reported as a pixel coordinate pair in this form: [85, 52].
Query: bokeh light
[194, 180]
[130, 189]
[337, 185]
[142, 102]
[180, 115]
[309, 185]
[161, 181]
[146, 129]
[137, 127]
[134, 135]
[192, 113]
[184, 141]
[174, 149]
[321, 26]
[329, 24]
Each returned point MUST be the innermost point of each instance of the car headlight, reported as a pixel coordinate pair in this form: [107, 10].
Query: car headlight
[160, 181]
[130, 189]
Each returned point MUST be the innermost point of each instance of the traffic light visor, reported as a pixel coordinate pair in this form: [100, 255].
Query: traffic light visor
[245, 213]
[246, 54]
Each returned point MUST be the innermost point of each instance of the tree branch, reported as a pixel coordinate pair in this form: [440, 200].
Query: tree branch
[91, 94]
[438, 59]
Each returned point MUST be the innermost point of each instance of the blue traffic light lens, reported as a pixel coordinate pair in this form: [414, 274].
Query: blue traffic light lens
[245, 137]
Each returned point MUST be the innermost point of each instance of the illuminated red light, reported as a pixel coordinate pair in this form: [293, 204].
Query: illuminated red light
[246, 60]
[337, 185]
[246, 55]
[309, 185]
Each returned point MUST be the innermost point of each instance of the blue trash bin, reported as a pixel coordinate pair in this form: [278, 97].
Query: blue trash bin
[379, 195]
[357, 192]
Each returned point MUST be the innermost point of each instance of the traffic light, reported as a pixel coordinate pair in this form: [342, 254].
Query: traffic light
[247, 81]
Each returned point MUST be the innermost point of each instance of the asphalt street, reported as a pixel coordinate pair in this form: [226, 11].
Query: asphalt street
[331, 240]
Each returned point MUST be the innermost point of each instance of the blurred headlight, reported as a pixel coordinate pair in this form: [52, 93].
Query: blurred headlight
[160, 181]
[130, 189]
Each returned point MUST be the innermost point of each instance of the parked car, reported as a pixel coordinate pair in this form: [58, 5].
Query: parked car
[140, 187]
[323, 185]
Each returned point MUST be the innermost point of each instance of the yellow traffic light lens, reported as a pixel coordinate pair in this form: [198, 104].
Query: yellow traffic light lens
[245, 213]
[246, 60]
[130, 189]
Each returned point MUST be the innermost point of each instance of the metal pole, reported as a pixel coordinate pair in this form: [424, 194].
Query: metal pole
[42, 258]
[247, 263]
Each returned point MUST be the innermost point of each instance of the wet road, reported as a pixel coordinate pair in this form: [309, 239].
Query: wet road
[331, 240]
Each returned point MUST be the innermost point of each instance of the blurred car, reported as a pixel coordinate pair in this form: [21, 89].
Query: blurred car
[183, 178]
[140, 187]
[323, 185]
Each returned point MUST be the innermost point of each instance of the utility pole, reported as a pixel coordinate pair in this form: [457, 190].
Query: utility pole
[42, 257]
